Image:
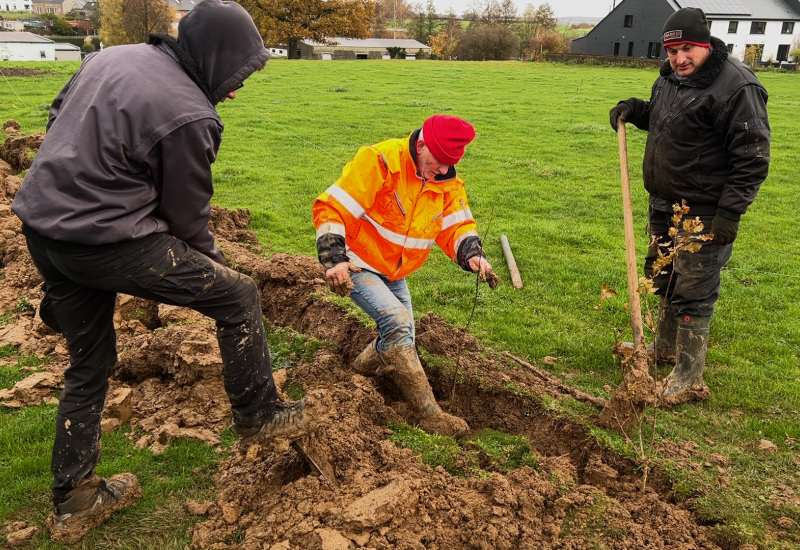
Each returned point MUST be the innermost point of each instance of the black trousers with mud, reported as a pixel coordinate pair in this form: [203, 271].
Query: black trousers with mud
[692, 283]
[82, 283]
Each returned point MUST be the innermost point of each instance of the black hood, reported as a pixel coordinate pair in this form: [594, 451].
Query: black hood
[224, 42]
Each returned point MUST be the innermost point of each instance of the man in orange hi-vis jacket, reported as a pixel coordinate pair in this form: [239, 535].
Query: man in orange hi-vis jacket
[378, 223]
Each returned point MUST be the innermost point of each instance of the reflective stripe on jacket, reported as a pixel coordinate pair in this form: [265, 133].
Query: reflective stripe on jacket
[390, 218]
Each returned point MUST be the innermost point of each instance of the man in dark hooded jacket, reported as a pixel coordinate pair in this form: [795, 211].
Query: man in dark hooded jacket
[708, 145]
[118, 201]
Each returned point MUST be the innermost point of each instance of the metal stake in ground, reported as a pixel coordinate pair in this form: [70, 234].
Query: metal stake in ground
[637, 389]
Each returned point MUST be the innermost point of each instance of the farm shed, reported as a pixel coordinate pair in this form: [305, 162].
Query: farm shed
[26, 46]
[67, 52]
[633, 28]
[356, 48]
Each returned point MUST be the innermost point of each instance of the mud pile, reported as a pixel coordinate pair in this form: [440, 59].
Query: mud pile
[168, 382]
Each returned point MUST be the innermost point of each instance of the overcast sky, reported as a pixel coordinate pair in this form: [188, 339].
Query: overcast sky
[562, 8]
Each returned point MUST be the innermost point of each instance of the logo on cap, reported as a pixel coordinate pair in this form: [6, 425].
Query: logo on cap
[673, 35]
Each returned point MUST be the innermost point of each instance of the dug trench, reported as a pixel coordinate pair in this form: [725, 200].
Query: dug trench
[168, 385]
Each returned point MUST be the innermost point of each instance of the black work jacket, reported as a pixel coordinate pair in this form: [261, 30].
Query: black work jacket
[709, 136]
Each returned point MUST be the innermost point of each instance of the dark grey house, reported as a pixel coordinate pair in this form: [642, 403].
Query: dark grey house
[633, 28]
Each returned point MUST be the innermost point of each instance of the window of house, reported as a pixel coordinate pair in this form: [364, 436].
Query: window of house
[616, 48]
[733, 26]
[788, 27]
[758, 27]
[630, 49]
[730, 48]
[783, 53]
[654, 49]
[628, 20]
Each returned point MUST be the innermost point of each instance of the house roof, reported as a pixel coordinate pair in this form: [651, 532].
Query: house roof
[24, 37]
[66, 46]
[184, 5]
[49, 1]
[372, 43]
[763, 9]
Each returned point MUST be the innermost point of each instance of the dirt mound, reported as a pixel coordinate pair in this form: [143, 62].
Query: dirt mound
[168, 383]
[18, 150]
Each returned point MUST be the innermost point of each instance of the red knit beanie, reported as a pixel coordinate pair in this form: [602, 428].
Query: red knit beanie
[446, 136]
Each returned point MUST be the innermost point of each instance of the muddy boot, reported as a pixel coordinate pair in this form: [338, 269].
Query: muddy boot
[685, 382]
[407, 373]
[368, 360]
[90, 504]
[662, 351]
[290, 421]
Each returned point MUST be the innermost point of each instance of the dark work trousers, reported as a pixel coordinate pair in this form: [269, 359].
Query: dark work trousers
[82, 283]
[692, 282]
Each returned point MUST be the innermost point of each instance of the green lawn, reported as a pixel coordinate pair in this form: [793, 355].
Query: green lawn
[544, 171]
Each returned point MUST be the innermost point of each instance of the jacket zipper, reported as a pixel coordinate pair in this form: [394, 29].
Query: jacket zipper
[399, 204]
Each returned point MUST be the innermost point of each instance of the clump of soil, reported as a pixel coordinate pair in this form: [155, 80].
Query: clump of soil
[378, 496]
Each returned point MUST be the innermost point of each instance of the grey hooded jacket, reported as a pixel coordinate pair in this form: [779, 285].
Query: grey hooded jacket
[132, 136]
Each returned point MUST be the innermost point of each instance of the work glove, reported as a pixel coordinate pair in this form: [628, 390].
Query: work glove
[621, 109]
[724, 228]
[338, 278]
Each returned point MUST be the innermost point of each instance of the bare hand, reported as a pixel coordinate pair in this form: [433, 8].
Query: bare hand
[338, 278]
[478, 264]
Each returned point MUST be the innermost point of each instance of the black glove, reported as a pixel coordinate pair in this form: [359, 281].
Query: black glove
[622, 109]
[724, 228]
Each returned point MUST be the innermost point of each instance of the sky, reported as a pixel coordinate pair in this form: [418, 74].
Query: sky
[562, 8]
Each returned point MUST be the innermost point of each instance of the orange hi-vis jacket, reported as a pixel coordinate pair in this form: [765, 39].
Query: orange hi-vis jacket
[389, 217]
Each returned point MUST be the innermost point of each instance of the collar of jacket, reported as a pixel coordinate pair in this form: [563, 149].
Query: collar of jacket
[412, 148]
[708, 72]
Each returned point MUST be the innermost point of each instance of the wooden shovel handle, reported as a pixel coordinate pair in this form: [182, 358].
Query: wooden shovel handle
[630, 243]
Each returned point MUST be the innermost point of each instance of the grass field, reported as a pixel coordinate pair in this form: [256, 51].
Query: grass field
[544, 171]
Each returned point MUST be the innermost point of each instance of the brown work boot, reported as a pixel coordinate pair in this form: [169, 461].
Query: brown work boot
[368, 360]
[90, 504]
[409, 376]
[291, 421]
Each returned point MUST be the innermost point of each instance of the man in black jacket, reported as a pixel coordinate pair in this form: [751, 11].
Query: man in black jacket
[708, 144]
[118, 200]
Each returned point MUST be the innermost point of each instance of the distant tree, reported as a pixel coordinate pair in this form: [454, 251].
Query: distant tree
[58, 25]
[487, 42]
[546, 41]
[423, 23]
[443, 45]
[289, 21]
[389, 14]
[508, 12]
[533, 23]
[396, 53]
[133, 21]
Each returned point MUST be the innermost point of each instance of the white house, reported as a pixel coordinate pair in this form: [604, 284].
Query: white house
[633, 28]
[26, 46]
[16, 5]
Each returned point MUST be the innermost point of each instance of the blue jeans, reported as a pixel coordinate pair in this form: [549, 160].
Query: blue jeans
[81, 286]
[389, 305]
[692, 284]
